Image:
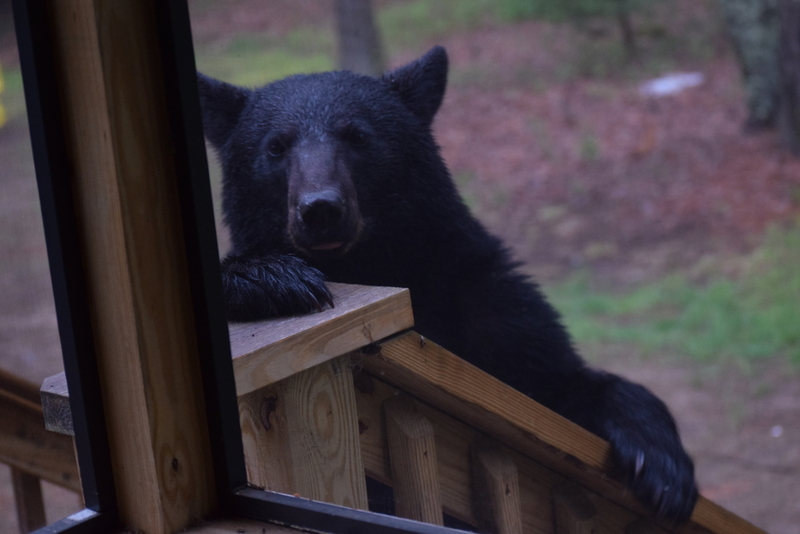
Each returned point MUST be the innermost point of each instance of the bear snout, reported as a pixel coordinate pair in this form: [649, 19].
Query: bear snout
[321, 211]
[323, 221]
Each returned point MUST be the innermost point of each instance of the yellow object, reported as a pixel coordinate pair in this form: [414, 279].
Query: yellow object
[3, 116]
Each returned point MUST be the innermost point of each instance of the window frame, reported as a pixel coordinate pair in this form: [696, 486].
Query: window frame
[235, 498]
[67, 276]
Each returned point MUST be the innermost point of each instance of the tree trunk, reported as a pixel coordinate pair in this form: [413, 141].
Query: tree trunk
[789, 58]
[626, 29]
[360, 47]
[754, 28]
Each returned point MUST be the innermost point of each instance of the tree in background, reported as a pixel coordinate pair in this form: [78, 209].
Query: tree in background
[582, 11]
[789, 59]
[360, 47]
[754, 28]
[766, 37]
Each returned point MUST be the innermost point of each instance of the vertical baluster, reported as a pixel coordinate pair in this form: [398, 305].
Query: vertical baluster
[573, 510]
[642, 525]
[412, 453]
[322, 425]
[28, 497]
[495, 489]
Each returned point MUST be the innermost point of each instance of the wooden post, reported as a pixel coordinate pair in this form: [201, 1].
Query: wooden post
[642, 525]
[121, 146]
[412, 454]
[301, 436]
[28, 497]
[495, 489]
[322, 427]
[28, 446]
[573, 510]
[55, 405]
[265, 439]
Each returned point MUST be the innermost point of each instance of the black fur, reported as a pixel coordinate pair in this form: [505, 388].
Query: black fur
[339, 174]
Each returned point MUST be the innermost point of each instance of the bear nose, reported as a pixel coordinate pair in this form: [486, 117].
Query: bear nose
[321, 210]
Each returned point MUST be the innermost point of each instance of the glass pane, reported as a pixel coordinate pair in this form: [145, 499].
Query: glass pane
[29, 344]
[30, 349]
[608, 153]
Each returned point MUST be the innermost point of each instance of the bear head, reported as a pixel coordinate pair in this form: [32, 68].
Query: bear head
[322, 164]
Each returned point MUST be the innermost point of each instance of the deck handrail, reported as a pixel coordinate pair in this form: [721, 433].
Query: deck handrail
[32, 453]
[321, 390]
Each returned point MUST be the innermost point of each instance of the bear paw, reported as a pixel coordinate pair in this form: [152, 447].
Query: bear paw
[277, 285]
[660, 474]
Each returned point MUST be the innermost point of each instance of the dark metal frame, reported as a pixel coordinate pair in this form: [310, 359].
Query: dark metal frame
[69, 287]
[66, 271]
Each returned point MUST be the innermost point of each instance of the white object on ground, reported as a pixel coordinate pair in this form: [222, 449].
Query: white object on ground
[671, 83]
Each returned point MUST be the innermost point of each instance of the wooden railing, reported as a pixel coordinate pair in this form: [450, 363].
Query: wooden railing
[328, 398]
[32, 453]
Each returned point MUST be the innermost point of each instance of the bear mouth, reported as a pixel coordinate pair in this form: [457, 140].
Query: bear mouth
[328, 243]
[320, 246]
[329, 246]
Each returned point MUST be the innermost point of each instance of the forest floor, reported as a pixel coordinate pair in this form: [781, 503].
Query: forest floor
[557, 151]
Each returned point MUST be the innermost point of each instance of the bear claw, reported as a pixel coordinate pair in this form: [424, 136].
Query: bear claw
[273, 286]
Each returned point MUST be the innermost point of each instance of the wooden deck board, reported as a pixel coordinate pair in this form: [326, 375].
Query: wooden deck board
[25, 444]
[463, 403]
[268, 351]
[441, 379]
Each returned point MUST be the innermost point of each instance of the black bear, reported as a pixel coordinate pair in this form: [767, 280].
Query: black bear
[337, 176]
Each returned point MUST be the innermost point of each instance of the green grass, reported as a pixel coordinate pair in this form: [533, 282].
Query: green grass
[556, 10]
[12, 97]
[252, 60]
[753, 316]
[464, 181]
[407, 24]
[255, 59]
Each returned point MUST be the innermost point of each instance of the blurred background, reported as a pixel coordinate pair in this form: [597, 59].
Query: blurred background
[638, 156]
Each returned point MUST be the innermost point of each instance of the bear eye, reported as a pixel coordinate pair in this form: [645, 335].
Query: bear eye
[357, 137]
[276, 147]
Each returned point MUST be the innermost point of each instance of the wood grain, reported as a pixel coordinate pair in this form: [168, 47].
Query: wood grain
[495, 489]
[265, 439]
[429, 372]
[26, 445]
[642, 526]
[268, 351]
[322, 427]
[425, 368]
[29, 503]
[454, 443]
[122, 152]
[55, 405]
[412, 456]
[238, 526]
[552, 449]
[573, 509]
[18, 386]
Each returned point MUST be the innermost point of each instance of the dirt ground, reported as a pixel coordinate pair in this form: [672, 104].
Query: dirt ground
[571, 171]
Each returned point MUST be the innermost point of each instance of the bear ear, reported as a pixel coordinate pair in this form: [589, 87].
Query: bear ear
[222, 105]
[421, 83]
